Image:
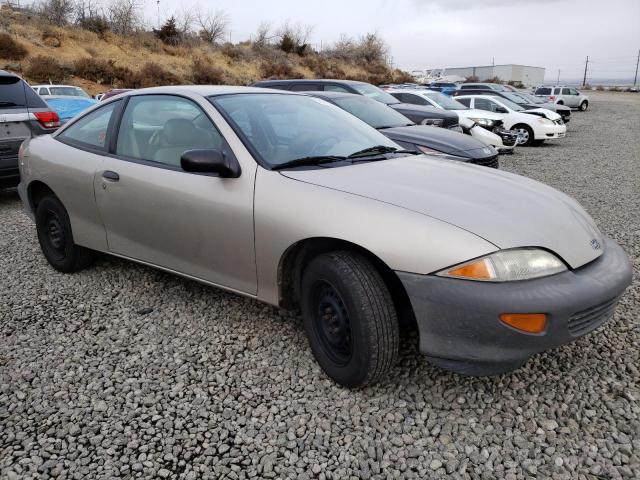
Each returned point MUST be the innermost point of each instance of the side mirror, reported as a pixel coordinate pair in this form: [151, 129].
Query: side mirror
[501, 110]
[212, 161]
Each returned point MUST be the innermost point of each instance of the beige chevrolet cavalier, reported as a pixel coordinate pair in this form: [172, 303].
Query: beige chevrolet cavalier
[288, 199]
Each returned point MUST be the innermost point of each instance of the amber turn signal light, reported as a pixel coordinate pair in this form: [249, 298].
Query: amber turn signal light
[527, 322]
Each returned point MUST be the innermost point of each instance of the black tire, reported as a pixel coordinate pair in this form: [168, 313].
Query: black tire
[584, 105]
[528, 139]
[56, 238]
[538, 142]
[349, 317]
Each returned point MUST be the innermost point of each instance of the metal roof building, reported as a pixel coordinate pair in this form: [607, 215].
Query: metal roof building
[527, 75]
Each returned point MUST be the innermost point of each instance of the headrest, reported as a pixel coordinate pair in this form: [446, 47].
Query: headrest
[179, 131]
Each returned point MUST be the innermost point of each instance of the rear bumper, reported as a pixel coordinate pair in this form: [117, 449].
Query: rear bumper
[459, 319]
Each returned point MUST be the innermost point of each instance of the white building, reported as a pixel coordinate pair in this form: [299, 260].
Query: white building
[529, 76]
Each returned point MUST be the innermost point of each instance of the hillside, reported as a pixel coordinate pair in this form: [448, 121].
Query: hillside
[41, 52]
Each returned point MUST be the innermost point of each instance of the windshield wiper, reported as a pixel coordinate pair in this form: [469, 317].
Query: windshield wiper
[377, 150]
[304, 161]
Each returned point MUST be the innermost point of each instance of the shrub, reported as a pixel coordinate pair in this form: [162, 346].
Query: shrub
[94, 23]
[472, 79]
[153, 75]
[102, 71]
[494, 79]
[400, 76]
[235, 52]
[515, 83]
[275, 70]
[51, 37]
[204, 73]
[600, 88]
[11, 49]
[287, 44]
[46, 69]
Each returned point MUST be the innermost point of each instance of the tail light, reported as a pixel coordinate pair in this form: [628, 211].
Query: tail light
[48, 119]
[552, 97]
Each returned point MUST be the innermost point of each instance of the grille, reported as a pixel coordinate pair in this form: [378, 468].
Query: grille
[486, 162]
[586, 320]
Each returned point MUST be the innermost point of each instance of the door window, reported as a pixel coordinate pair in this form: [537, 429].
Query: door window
[44, 91]
[91, 130]
[543, 91]
[413, 99]
[566, 91]
[573, 91]
[557, 91]
[160, 128]
[465, 101]
[485, 104]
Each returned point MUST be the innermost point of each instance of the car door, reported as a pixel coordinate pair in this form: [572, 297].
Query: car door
[194, 224]
[567, 98]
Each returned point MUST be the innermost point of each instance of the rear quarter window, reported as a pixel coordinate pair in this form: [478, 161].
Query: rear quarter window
[15, 93]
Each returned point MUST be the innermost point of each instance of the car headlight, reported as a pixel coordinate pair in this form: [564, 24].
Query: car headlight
[507, 266]
[436, 153]
[544, 121]
[485, 122]
[435, 122]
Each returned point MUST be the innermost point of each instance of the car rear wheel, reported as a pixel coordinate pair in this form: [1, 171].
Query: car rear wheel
[349, 317]
[525, 135]
[56, 238]
[584, 105]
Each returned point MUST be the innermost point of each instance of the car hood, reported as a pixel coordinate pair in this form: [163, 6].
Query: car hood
[543, 112]
[440, 139]
[505, 209]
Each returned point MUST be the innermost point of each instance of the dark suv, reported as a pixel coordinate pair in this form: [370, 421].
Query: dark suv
[416, 113]
[23, 114]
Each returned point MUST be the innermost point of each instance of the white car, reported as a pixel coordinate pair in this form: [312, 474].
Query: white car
[492, 132]
[563, 95]
[60, 91]
[536, 125]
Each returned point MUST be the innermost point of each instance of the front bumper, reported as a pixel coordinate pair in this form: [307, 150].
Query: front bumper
[548, 132]
[459, 321]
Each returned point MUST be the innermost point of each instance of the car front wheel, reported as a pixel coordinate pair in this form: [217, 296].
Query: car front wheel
[56, 239]
[584, 105]
[349, 317]
[525, 135]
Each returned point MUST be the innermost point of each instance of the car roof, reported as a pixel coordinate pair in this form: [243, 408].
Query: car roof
[308, 80]
[4, 73]
[204, 90]
[332, 95]
[55, 85]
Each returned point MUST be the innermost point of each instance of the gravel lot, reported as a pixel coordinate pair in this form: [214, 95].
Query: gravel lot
[122, 371]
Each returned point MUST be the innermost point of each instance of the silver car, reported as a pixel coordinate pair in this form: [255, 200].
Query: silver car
[285, 198]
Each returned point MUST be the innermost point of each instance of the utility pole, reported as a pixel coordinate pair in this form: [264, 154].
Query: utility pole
[635, 79]
[558, 82]
[158, 4]
[586, 64]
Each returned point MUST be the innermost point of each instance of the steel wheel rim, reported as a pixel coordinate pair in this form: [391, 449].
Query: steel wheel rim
[54, 234]
[332, 324]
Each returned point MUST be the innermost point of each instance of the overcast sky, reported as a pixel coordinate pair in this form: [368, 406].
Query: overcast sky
[555, 34]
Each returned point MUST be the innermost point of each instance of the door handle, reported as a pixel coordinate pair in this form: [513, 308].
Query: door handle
[109, 175]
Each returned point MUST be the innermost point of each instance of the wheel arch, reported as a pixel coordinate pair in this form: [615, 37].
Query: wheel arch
[298, 255]
[36, 191]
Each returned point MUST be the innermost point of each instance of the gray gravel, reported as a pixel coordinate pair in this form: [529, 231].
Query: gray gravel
[122, 371]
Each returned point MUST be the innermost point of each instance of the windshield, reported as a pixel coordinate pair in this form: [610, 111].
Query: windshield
[68, 92]
[530, 98]
[509, 104]
[281, 128]
[445, 102]
[374, 92]
[514, 97]
[374, 113]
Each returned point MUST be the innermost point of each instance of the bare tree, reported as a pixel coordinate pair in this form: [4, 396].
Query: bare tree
[124, 16]
[213, 25]
[263, 35]
[185, 20]
[58, 12]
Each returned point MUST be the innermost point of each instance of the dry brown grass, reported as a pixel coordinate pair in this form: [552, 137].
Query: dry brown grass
[44, 69]
[102, 61]
[11, 49]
